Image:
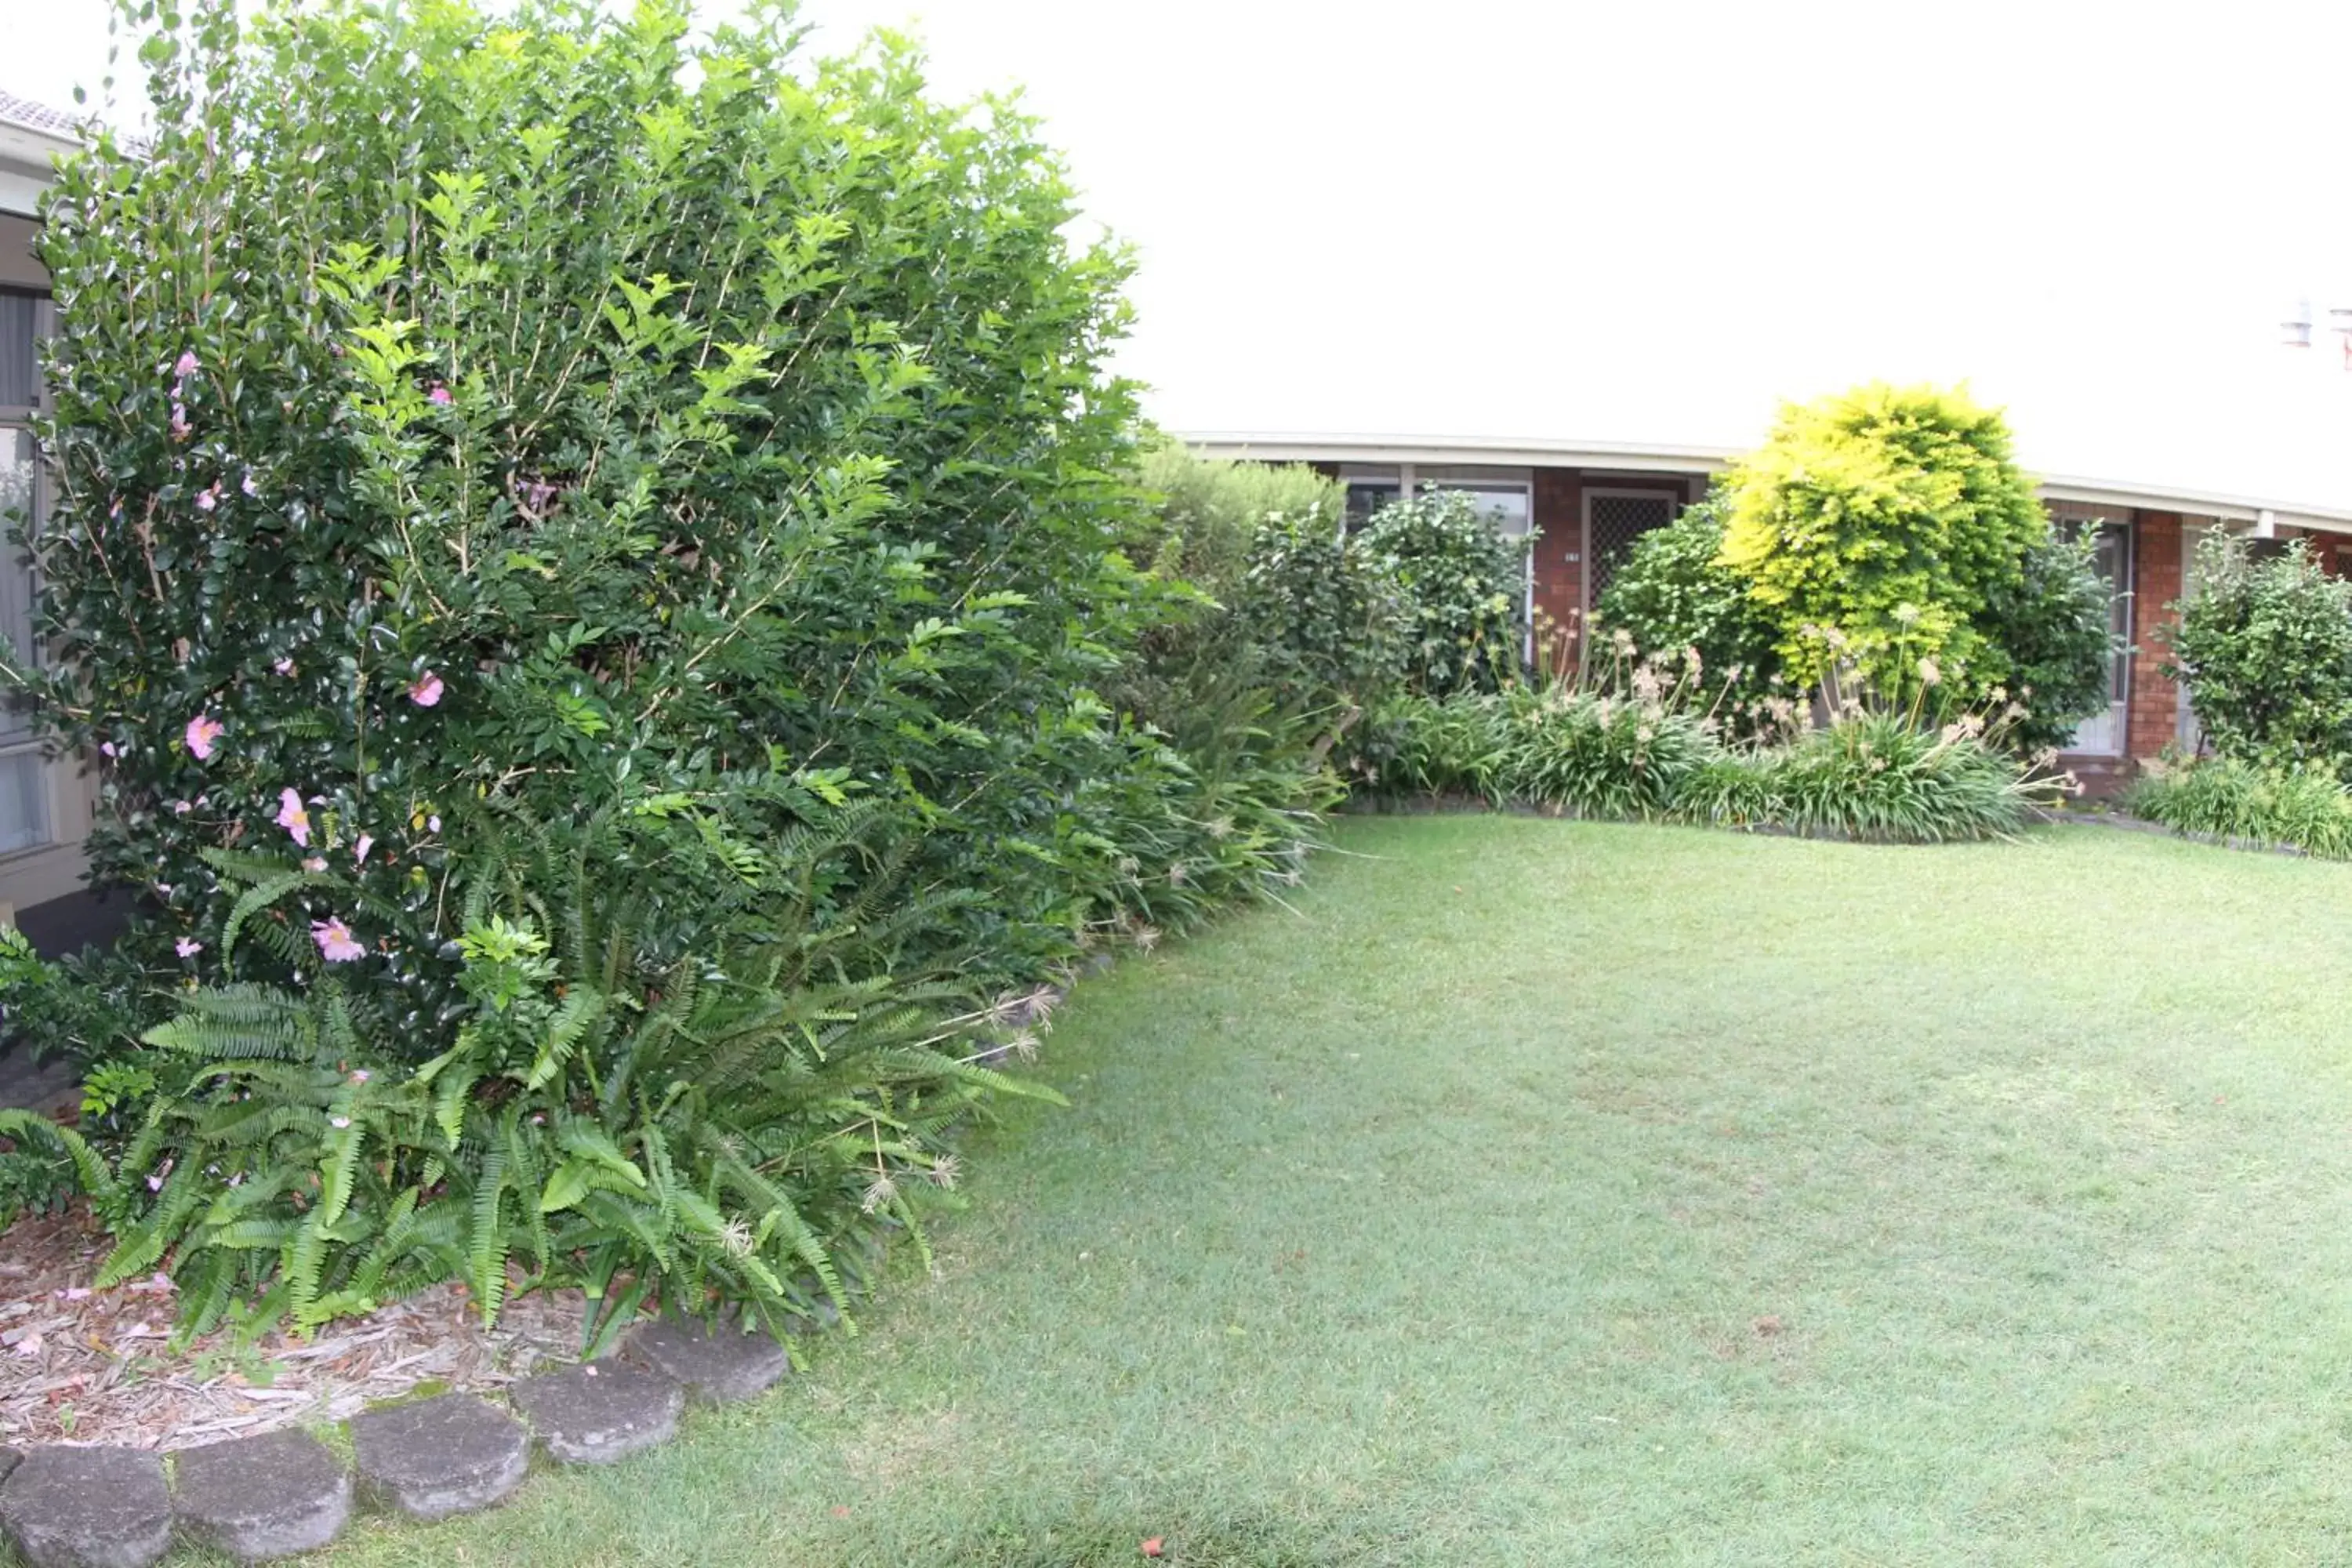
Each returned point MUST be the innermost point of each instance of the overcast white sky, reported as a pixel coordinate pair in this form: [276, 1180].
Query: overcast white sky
[1650, 221]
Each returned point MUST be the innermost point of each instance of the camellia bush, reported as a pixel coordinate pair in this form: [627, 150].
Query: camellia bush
[1673, 592]
[1464, 584]
[1279, 597]
[2264, 647]
[582, 553]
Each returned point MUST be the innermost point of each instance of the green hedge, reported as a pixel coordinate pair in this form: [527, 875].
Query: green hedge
[590, 556]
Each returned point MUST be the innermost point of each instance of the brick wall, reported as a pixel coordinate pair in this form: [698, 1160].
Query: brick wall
[1559, 507]
[2154, 715]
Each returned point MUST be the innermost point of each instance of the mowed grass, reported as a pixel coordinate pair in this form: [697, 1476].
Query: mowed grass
[1545, 1191]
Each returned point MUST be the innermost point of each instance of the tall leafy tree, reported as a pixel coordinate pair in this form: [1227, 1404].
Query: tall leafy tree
[460, 407]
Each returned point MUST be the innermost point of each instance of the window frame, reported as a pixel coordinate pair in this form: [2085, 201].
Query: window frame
[23, 420]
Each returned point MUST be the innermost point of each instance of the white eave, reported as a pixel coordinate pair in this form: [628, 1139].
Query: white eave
[27, 158]
[1508, 453]
[2266, 516]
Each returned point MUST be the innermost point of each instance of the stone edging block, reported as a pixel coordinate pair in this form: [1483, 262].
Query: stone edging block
[597, 1413]
[449, 1454]
[264, 1496]
[87, 1508]
[720, 1365]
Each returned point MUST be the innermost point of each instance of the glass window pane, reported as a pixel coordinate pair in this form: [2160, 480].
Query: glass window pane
[24, 802]
[21, 502]
[16, 360]
[1366, 497]
[1506, 505]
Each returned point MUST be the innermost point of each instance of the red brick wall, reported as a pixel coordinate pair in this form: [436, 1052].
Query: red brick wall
[2153, 716]
[1559, 503]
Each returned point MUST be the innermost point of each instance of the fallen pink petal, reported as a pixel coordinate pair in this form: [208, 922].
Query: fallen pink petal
[359, 850]
[187, 948]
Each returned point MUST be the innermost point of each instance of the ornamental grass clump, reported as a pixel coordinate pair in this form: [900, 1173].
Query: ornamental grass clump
[2305, 808]
[1617, 743]
[1642, 738]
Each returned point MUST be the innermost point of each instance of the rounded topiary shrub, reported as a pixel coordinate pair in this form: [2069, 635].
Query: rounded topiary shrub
[1873, 528]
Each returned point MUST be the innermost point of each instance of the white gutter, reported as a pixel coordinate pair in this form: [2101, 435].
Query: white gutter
[1441, 449]
[1645, 457]
[27, 158]
[20, 193]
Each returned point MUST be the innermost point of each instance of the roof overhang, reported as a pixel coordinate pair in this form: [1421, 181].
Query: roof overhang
[1505, 453]
[27, 165]
[2262, 515]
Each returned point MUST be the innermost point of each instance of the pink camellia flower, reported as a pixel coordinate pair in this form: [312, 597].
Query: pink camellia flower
[292, 817]
[186, 948]
[283, 665]
[187, 365]
[359, 850]
[202, 731]
[180, 428]
[335, 942]
[439, 393]
[427, 692]
[107, 749]
[208, 498]
[315, 863]
[181, 808]
[247, 486]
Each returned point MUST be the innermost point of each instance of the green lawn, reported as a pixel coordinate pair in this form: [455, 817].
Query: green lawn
[1551, 1193]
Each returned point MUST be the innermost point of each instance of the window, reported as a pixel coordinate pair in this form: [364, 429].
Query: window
[2103, 734]
[1505, 503]
[1366, 497]
[24, 502]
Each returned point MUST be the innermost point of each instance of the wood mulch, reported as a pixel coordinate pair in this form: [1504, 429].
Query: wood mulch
[83, 1366]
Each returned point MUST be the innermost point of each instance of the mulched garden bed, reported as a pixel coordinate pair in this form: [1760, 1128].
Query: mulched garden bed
[83, 1366]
